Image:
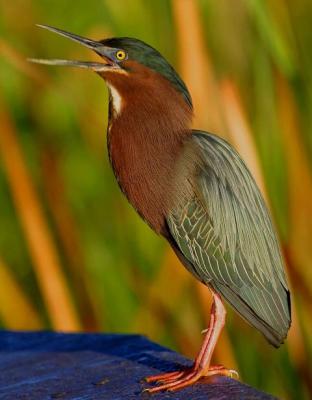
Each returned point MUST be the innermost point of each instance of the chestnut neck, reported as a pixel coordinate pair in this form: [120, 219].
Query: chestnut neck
[148, 123]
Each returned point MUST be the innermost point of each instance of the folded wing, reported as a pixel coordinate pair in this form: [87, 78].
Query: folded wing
[224, 235]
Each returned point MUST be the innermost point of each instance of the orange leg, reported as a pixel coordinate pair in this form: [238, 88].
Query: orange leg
[178, 379]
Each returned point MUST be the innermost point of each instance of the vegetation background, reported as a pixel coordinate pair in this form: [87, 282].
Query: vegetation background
[73, 254]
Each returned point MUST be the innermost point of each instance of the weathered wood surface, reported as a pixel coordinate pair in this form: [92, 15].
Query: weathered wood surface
[55, 366]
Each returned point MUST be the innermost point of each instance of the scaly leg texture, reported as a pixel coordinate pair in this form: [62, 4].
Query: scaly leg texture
[179, 379]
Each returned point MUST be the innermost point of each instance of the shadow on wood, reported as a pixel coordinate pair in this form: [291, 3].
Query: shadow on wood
[48, 366]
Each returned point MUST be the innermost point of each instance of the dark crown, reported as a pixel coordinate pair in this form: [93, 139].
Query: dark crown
[151, 58]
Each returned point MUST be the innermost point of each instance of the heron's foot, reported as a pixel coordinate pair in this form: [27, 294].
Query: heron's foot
[176, 380]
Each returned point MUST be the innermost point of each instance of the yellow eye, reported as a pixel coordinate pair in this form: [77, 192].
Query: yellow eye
[120, 55]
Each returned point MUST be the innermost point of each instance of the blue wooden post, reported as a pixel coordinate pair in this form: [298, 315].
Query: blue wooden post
[48, 366]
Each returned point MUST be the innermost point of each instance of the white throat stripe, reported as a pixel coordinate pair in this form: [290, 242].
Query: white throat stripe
[116, 99]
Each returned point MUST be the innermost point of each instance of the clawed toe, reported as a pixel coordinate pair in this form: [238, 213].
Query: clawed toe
[176, 380]
[221, 370]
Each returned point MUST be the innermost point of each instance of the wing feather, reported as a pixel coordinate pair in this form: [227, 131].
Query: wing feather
[224, 234]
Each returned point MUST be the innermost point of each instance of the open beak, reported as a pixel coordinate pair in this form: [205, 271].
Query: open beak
[105, 52]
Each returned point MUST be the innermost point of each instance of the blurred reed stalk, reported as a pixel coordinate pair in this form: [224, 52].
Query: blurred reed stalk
[46, 264]
[68, 234]
[19, 61]
[197, 70]
[239, 131]
[158, 306]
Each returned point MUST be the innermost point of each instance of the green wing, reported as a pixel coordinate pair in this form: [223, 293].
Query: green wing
[224, 235]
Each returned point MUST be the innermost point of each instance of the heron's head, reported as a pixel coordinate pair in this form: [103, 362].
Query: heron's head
[127, 62]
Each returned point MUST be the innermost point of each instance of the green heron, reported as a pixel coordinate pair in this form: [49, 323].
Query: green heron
[193, 189]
